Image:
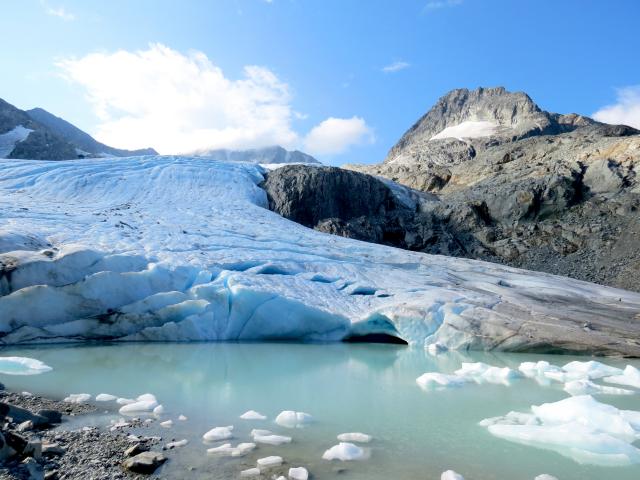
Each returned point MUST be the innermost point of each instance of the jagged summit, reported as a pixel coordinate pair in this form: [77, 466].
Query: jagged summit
[464, 114]
[267, 155]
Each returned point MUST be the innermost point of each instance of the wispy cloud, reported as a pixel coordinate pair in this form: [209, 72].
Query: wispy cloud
[625, 111]
[395, 67]
[59, 12]
[440, 4]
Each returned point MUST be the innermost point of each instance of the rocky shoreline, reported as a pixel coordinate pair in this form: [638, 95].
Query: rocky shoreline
[33, 447]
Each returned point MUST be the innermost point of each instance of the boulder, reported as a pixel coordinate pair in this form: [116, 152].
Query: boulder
[145, 462]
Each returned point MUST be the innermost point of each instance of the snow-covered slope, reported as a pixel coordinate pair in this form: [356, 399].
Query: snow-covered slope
[9, 139]
[178, 248]
[266, 156]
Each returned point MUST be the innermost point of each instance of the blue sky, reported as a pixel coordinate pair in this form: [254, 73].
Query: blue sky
[124, 70]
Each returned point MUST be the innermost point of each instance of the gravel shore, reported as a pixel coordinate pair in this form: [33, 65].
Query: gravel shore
[84, 453]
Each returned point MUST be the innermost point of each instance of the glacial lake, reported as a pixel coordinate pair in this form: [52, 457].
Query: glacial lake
[368, 388]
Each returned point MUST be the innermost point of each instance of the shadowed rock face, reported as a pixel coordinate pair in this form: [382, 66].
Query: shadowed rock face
[542, 191]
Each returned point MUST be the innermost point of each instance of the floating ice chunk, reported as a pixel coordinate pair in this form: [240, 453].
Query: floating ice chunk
[177, 444]
[22, 366]
[218, 433]
[630, 376]
[260, 432]
[182, 418]
[250, 472]
[291, 419]
[78, 398]
[252, 415]
[592, 369]
[564, 377]
[227, 450]
[298, 473]
[243, 448]
[481, 372]
[105, 397]
[344, 451]
[587, 387]
[167, 424]
[272, 439]
[585, 410]
[451, 475]
[267, 462]
[436, 348]
[545, 476]
[537, 369]
[355, 437]
[578, 427]
[143, 404]
[159, 410]
[125, 401]
[431, 380]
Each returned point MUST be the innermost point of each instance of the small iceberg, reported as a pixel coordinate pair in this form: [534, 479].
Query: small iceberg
[435, 380]
[579, 428]
[630, 377]
[252, 415]
[291, 419]
[268, 462]
[143, 404]
[451, 475]
[78, 398]
[587, 387]
[591, 370]
[105, 397]
[298, 473]
[22, 366]
[218, 433]
[344, 452]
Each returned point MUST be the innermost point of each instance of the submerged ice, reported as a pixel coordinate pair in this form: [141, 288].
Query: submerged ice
[179, 249]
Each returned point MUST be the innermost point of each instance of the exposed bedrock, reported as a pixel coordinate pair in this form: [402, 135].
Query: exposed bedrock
[517, 185]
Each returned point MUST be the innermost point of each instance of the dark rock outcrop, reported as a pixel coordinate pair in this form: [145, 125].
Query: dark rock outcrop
[543, 191]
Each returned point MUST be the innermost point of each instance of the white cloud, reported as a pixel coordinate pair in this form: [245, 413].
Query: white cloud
[439, 4]
[59, 12]
[395, 67]
[625, 111]
[179, 103]
[337, 135]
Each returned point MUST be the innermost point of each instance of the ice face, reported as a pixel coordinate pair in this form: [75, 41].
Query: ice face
[578, 427]
[22, 366]
[180, 248]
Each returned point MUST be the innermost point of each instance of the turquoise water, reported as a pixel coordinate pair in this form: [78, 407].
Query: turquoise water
[346, 387]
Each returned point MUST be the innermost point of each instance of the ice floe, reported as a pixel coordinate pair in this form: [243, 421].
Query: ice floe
[78, 398]
[252, 415]
[167, 424]
[298, 473]
[105, 397]
[591, 369]
[344, 451]
[177, 444]
[577, 427]
[587, 387]
[218, 433]
[630, 376]
[250, 472]
[355, 437]
[145, 403]
[159, 410]
[268, 462]
[291, 419]
[451, 475]
[22, 366]
[545, 476]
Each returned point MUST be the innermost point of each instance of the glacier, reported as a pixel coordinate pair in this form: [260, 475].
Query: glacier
[160, 248]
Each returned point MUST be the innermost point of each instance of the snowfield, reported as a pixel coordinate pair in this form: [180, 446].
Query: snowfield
[181, 249]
